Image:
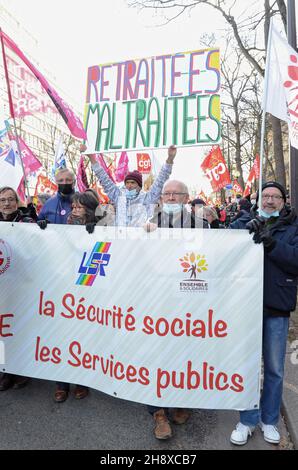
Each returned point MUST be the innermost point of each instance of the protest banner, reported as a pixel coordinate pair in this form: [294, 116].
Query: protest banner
[154, 102]
[168, 318]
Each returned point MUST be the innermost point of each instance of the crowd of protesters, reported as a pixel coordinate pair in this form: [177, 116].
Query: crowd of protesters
[168, 205]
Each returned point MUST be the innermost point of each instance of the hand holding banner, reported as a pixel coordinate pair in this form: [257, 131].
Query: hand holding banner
[184, 347]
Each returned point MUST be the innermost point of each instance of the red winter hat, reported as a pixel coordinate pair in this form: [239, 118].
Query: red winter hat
[135, 176]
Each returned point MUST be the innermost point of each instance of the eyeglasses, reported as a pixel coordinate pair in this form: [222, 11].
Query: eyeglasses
[275, 197]
[168, 194]
[9, 200]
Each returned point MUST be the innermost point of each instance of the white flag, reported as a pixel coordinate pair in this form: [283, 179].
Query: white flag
[281, 82]
[60, 161]
[11, 171]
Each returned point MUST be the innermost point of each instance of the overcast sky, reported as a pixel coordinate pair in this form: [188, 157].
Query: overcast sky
[78, 34]
[74, 35]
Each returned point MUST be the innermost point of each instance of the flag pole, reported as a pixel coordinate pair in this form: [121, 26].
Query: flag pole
[11, 108]
[292, 40]
[265, 95]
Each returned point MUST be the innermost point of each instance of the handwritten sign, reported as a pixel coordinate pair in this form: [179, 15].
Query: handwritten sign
[154, 102]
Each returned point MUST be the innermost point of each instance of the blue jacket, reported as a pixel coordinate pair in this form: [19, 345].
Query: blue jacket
[241, 222]
[56, 210]
[280, 264]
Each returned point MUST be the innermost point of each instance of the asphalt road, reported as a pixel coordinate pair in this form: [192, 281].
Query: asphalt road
[31, 420]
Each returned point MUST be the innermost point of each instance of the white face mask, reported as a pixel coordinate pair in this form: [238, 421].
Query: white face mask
[172, 208]
[253, 201]
[131, 194]
[267, 215]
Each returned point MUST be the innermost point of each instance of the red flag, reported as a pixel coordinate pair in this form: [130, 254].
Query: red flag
[29, 86]
[144, 163]
[101, 194]
[103, 164]
[30, 161]
[44, 185]
[237, 188]
[216, 169]
[122, 168]
[253, 175]
[82, 180]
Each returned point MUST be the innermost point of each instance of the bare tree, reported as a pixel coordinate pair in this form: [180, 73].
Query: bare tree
[236, 84]
[246, 32]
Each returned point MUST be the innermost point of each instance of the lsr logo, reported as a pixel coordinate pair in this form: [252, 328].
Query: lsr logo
[97, 262]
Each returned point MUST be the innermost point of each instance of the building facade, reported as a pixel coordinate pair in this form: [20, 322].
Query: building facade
[41, 127]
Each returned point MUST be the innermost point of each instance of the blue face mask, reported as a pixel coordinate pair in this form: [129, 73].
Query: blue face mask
[172, 208]
[131, 194]
[264, 214]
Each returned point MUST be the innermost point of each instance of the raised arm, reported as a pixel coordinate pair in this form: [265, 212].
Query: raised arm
[110, 188]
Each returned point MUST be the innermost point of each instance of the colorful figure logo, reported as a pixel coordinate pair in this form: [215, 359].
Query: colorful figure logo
[97, 262]
[193, 264]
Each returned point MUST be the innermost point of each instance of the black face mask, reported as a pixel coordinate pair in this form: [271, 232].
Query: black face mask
[65, 188]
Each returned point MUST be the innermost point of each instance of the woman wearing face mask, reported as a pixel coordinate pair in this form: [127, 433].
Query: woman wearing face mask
[83, 213]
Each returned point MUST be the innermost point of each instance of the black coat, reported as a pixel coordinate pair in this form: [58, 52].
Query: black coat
[280, 264]
[184, 220]
[19, 216]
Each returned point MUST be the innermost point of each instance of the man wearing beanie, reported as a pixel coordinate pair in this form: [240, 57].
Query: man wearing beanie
[133, 205]
[275, 225]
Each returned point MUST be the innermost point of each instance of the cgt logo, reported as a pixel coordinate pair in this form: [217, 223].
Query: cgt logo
[144, 163]
[5, 256]
[97, 262]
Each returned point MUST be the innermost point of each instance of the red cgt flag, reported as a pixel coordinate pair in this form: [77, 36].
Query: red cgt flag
[216, 170]
[44, 185]
[144, 163]
[237, 188]
[253, 175]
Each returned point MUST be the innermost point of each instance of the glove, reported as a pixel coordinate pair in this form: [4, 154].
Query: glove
[266, 238]
[256, 225]
[90, 227]
[42, 224]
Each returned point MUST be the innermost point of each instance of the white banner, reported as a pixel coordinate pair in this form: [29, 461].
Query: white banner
[170, 318]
